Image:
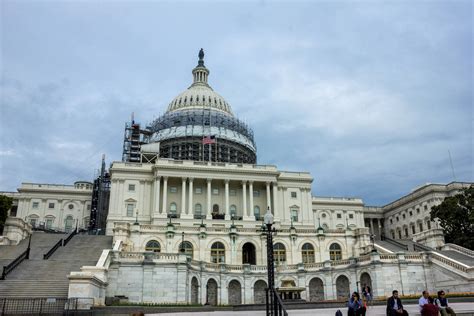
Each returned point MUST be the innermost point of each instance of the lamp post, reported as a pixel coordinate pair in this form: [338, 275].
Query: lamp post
[182, 243]
[136, 219]
[372, 239]
[268, 221]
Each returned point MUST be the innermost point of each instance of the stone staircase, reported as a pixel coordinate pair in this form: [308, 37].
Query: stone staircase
[48, 278]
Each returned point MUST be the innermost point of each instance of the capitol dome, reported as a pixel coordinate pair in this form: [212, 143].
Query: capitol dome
[199, 125]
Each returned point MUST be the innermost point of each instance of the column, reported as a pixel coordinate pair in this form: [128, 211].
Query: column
[371, 226]
[251, 211]
[269, 203]
[156, 211]
[276, 209]
[164, 209]
[209, 214]
[244, 201]
[226, 211]
[184, 213]
[190, 199]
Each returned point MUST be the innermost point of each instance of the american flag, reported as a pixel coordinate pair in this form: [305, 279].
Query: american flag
[209, 140]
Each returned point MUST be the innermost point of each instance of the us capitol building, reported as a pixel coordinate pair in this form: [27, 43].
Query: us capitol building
[186, 208]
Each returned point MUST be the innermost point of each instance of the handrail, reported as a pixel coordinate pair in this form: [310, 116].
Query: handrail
[396, 243]
[460, 249]
[12, 265]
[53, 249]
[274, 304]
[74, 232]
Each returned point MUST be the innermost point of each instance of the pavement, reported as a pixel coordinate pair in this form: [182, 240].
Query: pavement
[378, 310]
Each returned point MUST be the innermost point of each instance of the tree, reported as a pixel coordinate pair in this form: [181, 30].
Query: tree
[457, 218]
[5, 205]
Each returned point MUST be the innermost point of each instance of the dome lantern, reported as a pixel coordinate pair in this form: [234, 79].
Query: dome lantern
[200, 72]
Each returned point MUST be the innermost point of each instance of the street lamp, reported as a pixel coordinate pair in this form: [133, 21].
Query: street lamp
[182, 243]
[136, 219]
[268, 221]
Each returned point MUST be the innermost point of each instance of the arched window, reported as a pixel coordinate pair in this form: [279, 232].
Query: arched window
[256, 212]
[197, 211]
[335, 252]
[233, 211]
[279, 253]
[217, 253]
[307, 252]
[173, 213]
[153, 245]
[187, 248]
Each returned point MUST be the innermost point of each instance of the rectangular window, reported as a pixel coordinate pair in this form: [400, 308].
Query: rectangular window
[351, 216]
[406, 232]
[49, 223]
[215, 191]
[130, 207]
[425, 207]
[391, 221]
[428, 224]
[51, 205]
[293, 195]
[417, 211]
[411, 213]
[403, 216]
[131, 187]
[256, 193]
[339, 215]
[413, 230]
[35, 204]
[33, 222]
[398, 219]
[198, 190]
[173, 189]
[88, 207]
[294, 215]
[232, 193]
[421, 227]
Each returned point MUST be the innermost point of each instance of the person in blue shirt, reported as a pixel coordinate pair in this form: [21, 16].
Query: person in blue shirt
[355, 305]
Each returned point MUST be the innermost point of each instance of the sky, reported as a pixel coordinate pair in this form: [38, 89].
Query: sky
[373, 98]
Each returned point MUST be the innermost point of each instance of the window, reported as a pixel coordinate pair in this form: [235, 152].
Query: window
[398, 219]
[256, 212]
[324, 215]
[403, 216]
[197, 210]
[232, 193]
[233, 211]
[33, 222]
[71, 206]
[293, 195]
[217, 253]
[173, 210]
[256, 193]
[428, 224]
[425, 207]
[51, 205]
[391, 221]
[351, 216]
[411, 213]
[153, 245]
[421, 226]
[198, 190]
[399, 234]
[173, 189]
[294, 215]
[88, 207]
[393, 235]
[186, 248]
[279, 253]
[339, 215]
[130, 207]
[131, 187]
[35, 205]
[413, 230]
[215, 191]
[307, 253]
[406, 232]
[335, 252]
[417, 211]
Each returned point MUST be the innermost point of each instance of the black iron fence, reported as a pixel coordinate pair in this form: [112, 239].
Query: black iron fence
[72, 234]
[46, 306]
[53, 249]
[12, 265]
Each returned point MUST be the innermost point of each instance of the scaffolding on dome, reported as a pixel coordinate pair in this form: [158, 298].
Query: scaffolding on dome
[134, 138]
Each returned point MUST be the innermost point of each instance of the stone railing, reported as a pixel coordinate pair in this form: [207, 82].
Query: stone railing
[460, 249]
[459, 266]
[340, 262]
[15, 230]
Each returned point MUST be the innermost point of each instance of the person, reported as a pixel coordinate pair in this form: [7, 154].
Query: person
[426, 304]
[355, 305]
[395, 306]
[368, 294]
[442, 303]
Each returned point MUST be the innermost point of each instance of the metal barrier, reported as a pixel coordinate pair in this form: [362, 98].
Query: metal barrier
[46, 306]
[53, 249]
[274, 304]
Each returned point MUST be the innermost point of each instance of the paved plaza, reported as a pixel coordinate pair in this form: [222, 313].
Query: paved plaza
[372, 311]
